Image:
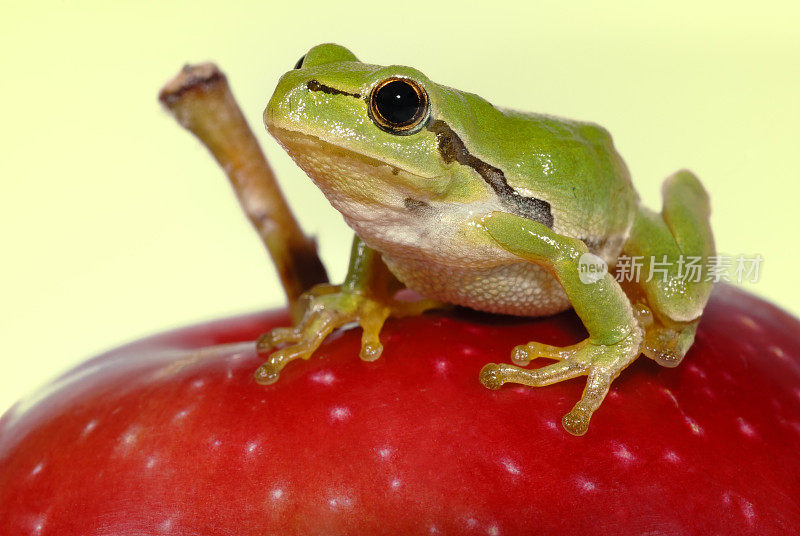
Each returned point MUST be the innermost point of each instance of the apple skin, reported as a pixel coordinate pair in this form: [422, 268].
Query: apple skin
[156, 438]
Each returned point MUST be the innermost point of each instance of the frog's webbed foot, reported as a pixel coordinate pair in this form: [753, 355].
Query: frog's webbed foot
[327, 308]
[600, 363]
[666, 345]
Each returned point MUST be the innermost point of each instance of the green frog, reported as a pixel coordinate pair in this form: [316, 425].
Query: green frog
[470, 204]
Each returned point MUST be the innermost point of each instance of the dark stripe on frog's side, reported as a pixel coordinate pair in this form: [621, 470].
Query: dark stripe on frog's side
[314, 85]
[452, 149]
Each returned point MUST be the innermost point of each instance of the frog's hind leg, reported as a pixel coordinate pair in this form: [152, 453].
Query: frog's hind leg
[675, 247]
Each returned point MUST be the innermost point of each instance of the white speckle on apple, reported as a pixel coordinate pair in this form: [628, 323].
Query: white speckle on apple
[91, 425]
[182, 414]
[276, 494]
[166, 525]
[510, 465]
[323, 377]
[672, 456]
[551, 425]
[746, 428]
[442, 365]
[624, 454]
[385, 452]
[433, 529]
[129, 438]
[493, 530]
[749, 322]
[229, 374]
[38, 469]
[747, 510]
[252, 446]
[338, 501]
[521, 390]
[694, 369]
[586, 486]
[468, 350]
[340, 413]
[696, 428]
[395, 484]
[745, 506]
[779, 353]
[38, 524]
[613, 394]
[472, 522]
[198, 383]
[215, 443]
[727, 377]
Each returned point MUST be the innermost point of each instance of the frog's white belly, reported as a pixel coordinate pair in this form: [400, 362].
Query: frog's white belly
[518, 288]
[439, 255]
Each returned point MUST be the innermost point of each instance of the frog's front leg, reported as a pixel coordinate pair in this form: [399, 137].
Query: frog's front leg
[615, 336]
[366, 297]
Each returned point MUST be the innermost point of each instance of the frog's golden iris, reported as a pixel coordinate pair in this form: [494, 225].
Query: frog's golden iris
[398, 105]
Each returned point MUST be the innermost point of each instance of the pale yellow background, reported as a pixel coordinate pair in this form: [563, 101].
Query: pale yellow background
[115, 223]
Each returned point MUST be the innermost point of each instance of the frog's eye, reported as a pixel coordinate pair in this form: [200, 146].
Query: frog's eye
[300, 62]
[398, 105]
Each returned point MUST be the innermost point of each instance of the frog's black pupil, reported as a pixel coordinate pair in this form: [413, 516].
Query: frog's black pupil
[397, 102]
[300, 62]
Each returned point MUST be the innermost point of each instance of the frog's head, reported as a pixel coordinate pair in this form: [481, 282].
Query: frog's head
[367, 134]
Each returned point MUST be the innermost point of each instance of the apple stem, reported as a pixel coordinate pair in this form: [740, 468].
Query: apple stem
[201, 101]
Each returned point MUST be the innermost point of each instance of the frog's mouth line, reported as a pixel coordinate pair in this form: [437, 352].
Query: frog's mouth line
[287, 136]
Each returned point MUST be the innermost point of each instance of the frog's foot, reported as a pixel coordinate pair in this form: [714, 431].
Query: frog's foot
[668, 346]
[665, 345]
[601, 363]
[327, 308]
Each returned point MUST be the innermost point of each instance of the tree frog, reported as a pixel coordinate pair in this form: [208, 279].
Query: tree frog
[470, 204]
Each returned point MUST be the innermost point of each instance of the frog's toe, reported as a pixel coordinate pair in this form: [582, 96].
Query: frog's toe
[266, 375]
[576, 422]
[491, 376]
[277, 337]
[521, 355]
[668, 346]
[371, 320]
[494, 376]
[525, 353]
[270, 370]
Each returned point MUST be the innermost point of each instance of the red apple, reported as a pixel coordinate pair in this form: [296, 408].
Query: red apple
[163, 437]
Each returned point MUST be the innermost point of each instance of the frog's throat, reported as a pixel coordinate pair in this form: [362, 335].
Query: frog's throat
[288, 138]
